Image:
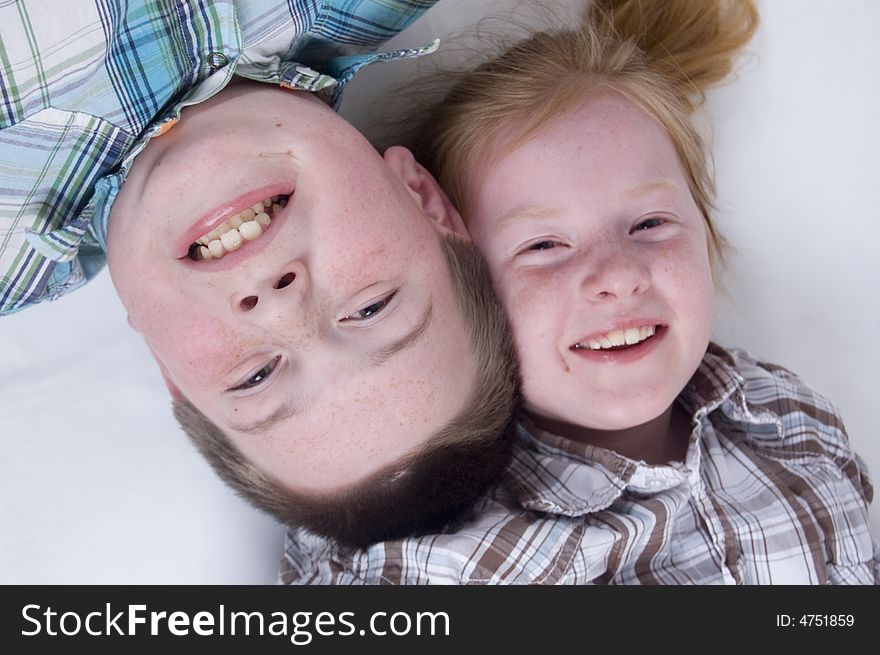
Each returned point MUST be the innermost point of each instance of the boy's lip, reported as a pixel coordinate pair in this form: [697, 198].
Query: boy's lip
[213, 218]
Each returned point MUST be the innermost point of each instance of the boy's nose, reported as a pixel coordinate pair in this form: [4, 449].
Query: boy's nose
[284, 286]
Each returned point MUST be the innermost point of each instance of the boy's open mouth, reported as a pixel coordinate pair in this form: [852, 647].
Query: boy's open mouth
[617, 340]
[247, 225]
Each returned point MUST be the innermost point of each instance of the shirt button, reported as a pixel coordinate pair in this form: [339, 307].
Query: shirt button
[217, 60]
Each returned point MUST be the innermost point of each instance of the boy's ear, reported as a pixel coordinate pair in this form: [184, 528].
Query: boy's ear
[424, 188]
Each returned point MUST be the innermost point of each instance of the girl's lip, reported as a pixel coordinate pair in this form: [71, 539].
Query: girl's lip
[624, 355]
[212, 219]
[623, 325]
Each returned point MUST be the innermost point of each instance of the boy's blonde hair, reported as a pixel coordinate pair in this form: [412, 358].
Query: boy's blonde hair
[660, 54]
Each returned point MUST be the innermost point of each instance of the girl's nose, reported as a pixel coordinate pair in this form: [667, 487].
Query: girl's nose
[616, 274]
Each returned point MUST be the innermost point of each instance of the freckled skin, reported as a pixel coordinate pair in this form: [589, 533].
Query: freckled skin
[581, 170]
[354, 231]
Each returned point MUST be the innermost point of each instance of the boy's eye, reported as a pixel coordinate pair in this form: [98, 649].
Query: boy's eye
[370, 310]
[259, 377]
[647, 224]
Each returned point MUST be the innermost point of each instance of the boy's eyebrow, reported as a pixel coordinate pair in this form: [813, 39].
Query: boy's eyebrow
[262, 425]
[291, 409]
[409, 339]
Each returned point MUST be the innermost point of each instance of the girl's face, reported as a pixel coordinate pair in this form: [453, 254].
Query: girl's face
[600, 256]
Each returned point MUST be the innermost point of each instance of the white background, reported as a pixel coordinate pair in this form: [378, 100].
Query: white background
[98, 485]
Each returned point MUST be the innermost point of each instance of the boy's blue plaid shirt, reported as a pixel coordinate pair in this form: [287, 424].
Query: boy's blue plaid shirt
[86, 83]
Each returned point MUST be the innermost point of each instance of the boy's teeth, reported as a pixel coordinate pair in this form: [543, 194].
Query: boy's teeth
[617, 338]
[250, 230]
[244, 226]
[231, 240]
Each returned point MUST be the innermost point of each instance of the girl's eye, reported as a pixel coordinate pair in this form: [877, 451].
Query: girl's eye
[370, 310]
[538, 246]
[259, 377]
[648, 224]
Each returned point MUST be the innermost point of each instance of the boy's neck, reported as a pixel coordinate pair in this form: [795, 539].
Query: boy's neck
[659, 441]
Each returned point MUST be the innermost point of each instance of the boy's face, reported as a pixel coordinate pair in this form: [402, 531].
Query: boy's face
[330, 345]
[594, 240]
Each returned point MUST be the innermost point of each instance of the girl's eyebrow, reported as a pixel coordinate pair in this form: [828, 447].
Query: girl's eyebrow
[523, 213]
[658, 184]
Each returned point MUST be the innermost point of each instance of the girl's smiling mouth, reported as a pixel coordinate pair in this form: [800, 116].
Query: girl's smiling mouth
[620, 345]
[617, 338]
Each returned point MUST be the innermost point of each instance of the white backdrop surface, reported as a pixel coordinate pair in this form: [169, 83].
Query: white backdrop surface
[98, 485]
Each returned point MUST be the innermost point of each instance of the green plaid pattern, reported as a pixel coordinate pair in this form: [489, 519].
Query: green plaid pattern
[770, 493]
[86, 83]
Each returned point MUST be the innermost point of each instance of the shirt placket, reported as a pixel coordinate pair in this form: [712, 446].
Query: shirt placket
[720, 532]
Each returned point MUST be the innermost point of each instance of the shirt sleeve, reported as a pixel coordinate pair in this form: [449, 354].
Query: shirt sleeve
[84, 86]
[811, 435]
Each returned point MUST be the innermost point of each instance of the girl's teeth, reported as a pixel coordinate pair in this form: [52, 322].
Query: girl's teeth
[617, 338]
[244, 226]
